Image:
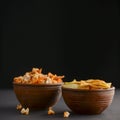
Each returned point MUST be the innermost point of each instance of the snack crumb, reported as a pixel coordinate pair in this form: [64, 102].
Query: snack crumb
[66, 114]
[50, 111]
[19, 107]
[25, 111]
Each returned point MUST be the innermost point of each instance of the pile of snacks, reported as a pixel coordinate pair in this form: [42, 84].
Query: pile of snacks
[37, 77]
[89, 84]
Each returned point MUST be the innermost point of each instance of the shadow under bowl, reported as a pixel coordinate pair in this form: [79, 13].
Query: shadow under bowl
[88, 101]
[37, 96]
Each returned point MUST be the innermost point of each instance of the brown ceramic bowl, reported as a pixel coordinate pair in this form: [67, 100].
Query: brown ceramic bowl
[88, 101]
[37, 96]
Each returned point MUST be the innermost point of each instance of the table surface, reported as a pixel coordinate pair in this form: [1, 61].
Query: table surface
[8, 102]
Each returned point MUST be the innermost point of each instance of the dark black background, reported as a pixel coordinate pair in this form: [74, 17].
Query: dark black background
[76, 39]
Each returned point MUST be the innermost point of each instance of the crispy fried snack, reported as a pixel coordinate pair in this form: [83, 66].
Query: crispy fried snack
[37, 77]
[51, 111]
[89, 84]
[66, 114]
[25, 111]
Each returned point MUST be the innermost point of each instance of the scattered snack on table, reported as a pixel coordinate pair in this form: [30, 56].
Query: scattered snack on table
[50, 111]
[19, 107]
[89, 84]
[25, 111]
[66, 114]
[37, 77]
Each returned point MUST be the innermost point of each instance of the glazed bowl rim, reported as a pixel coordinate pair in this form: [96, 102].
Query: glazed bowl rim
[74, 89]
[26, 84]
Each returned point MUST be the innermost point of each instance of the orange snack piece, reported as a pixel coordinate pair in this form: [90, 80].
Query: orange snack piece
[37, 77]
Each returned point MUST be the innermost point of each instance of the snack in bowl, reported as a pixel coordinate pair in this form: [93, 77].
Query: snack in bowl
[35, 90]
[88, 84]
[90, 96]
[37, 77]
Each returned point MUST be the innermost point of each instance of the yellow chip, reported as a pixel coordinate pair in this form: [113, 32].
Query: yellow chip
[88, 84]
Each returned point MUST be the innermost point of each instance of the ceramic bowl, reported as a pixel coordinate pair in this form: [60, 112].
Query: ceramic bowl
[88, 101]
[37, 96]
